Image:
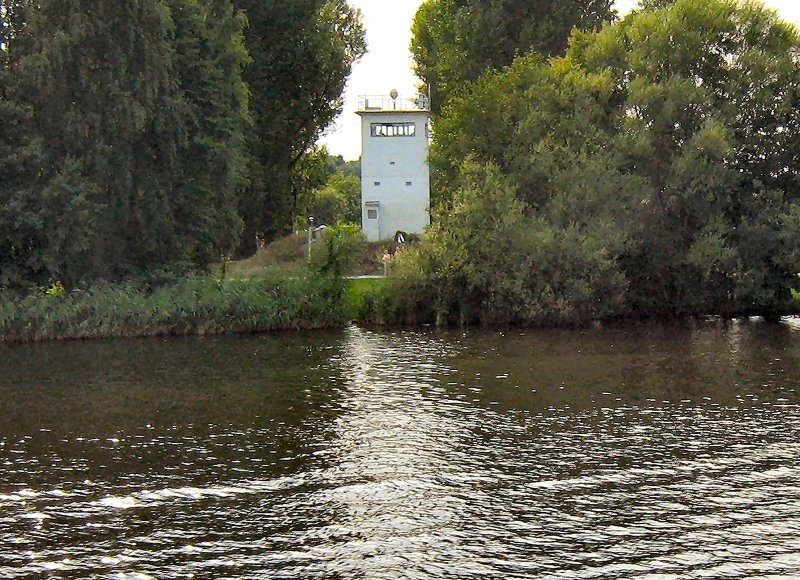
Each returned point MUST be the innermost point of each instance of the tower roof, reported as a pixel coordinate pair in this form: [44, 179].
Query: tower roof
[387, 104]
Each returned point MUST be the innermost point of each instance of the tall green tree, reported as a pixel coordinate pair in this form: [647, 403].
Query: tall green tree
[454, 41]
[210, 56]
[20, 230]
[302, 52]
[104, 98]
[667, 142]
[135, 112]
[711, 125]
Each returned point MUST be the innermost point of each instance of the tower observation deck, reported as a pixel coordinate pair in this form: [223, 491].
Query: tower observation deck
[385, 103]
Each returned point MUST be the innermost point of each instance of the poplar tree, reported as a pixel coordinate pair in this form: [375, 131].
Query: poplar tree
[20, 229]
[99, 80]
[213, 109]
[127, 143]
[302, 52]
[135, 111]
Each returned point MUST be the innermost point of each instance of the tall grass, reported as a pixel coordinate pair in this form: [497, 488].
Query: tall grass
[193, 305]
[364, 297]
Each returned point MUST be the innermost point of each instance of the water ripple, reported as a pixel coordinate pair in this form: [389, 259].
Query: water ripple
[417, 454]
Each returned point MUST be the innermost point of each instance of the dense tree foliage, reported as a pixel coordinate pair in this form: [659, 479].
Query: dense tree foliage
[17, 148]
[301, 52]
[124, 144]
[339, 200]
[454, 41]
[134, 116]
[660, 155]
[330, 190]
[488, 261]
[214, 113]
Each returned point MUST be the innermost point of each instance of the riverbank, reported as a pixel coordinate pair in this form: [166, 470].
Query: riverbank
[278, 288]
[197, 305]
[206, 305]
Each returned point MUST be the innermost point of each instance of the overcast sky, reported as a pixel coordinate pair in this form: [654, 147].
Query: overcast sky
[387, 64]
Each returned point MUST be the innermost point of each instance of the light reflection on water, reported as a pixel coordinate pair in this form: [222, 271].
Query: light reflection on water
[606, 453]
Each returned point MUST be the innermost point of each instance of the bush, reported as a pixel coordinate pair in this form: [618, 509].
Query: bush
[486, 261]
[336, 254]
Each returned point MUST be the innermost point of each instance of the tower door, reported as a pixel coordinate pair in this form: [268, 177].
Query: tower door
[371, 221]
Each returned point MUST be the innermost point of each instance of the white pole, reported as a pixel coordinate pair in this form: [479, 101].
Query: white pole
[310, 235]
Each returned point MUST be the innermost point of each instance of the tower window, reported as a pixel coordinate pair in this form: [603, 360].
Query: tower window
[372, 214]
[393, 129]
[408, 183]
[377, 182]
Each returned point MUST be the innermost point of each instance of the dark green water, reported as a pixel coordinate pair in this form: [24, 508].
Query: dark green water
[639, 452]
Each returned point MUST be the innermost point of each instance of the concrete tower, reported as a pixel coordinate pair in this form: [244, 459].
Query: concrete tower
[395, 180]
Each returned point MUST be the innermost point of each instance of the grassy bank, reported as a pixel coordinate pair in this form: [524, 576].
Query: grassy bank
[289, 255]
[196, 305]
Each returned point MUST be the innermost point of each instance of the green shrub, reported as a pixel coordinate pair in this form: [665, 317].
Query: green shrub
[487, 261]
[363, 297]
[335, 255]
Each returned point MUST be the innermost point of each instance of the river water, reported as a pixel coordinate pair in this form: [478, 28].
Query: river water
[632, 452]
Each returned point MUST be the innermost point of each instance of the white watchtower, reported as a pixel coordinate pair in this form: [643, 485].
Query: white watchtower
[395, 180]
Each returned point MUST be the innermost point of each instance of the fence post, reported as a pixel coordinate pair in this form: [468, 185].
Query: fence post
[310, 236]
